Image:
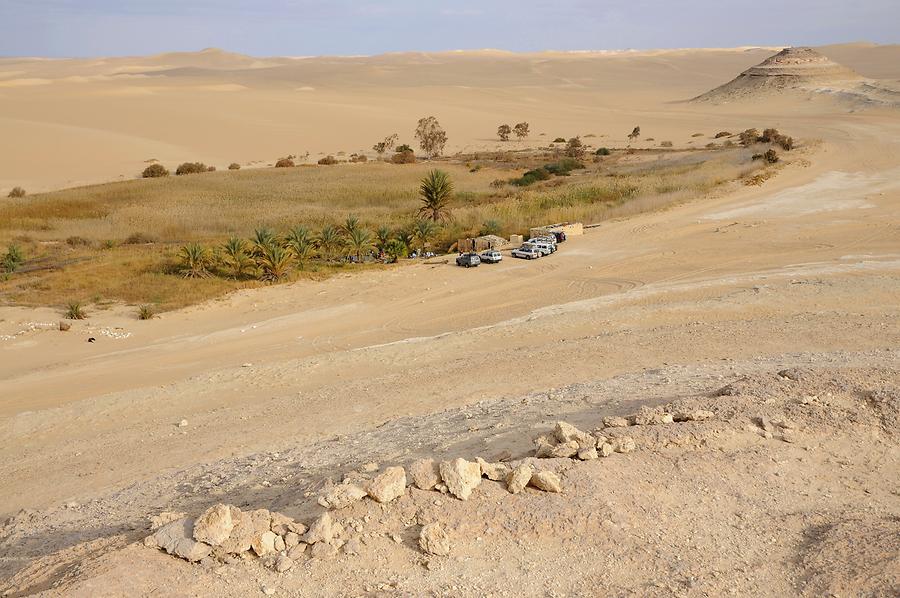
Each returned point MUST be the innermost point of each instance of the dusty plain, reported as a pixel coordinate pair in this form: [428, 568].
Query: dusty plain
[286, 387]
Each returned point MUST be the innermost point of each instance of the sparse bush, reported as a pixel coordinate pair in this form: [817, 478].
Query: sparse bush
[711, 145]
[491, 227]
[721, 134]
[697, 135]
[17, 192]
[385, 146]
[559, 140]
[109, 244]
[284, 163]
[786, 143]
[574, 148]
[146, 312]
[563, 167]
[76, 241]
[210, 169]
[403, 157]
[665, 144]
[190, 168]
[74, 311]
[13, 259]
[355, 158]
[328, 161]
[771, 156]
[138, 239]
[234, 166]
[498, 183]
[602, 151]
[748, 137]
[155, 171]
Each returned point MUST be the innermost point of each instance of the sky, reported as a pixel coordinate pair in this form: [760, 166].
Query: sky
[60, 28]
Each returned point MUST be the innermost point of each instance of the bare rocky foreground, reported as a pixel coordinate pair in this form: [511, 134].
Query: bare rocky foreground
[786, 484]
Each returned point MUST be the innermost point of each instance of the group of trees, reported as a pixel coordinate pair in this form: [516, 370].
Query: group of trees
[271, 257]
[521, 131]
[749, 137]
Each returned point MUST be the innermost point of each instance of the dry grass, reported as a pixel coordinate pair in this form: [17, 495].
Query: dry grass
[210, 207]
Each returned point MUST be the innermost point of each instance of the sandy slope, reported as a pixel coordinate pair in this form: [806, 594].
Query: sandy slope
[804, 270]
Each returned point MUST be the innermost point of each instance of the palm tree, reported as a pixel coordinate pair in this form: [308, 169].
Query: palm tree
[423, 233]
[274, 262]
[394, 249]
[262, 237]
[436, 189]
[329, 241]
[194, 261]
[406, 236]
[350, 224]
[382, 236]
[360, 241]
[300, 242]
[236, 256]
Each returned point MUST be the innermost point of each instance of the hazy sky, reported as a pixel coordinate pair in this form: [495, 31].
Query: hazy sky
[307, 27]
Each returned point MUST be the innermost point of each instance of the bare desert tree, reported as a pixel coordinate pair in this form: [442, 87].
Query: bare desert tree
[386, 145]
[635, 133]
[431, 136]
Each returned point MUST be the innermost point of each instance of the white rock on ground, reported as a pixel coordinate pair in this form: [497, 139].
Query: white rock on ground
[588, 453]
[547, 481]
[519, 477]
[425, 474]
[389, 485]
[157, 521]
[177, 538]
[605, 450]
[264, 543]
[434, 540]
[461, 477]
[322, 530]
[566, 432]
[215, 524]
[296, 553]
[283, 563]
[241, 536]
[623, 444]
[342, 496]
[496, 472]
[614, 421]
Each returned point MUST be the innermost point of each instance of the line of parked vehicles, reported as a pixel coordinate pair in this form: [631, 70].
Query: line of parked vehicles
[531, 249]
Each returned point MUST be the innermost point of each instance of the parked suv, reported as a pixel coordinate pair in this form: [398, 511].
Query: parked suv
[491, 256]
[468, 260]
[526, 252]
[541, 246]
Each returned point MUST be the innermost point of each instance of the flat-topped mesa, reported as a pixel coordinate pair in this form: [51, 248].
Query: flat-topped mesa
[792, 68]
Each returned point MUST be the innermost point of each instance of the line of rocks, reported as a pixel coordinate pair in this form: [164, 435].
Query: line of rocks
[225, 533]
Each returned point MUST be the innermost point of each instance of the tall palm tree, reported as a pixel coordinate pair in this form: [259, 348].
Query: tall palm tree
[436, 189]
[329, 241]
[236, 256]
[423, 233]
[300, 241]
[360, 241]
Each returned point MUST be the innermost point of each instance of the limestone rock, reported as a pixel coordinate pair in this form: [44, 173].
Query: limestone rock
[695, 415]
[389, 485]
[323, 550]
[353, 546]
[342, 496]
[322, 530]
[215, 524]
[177, 538]
[493, 471]
[241, 536]
[434, 540]
[547, 481]
[461, 477]
[283, 563]
[279, 543]
[280, 524]
[291, 539]
[425, 474]
[157, 521]
[614, 421]
[264, 543]
[566, 432]
[297, 551]
[519, 477]
[605, 450]
[588, 453]
[623, 444]
[64, 326]
[652, 417]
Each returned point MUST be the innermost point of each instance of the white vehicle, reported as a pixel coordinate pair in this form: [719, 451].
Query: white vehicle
[551, 241]
[543, 248]
[526, 253]
[491, 256]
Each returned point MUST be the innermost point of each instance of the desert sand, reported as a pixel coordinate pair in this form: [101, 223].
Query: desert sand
[286, 390]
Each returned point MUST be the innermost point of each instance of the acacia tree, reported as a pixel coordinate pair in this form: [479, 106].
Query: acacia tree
[503, 132]
[431, 136]
[521, 130]
[436, 189]
[386, 145]
[635, 133]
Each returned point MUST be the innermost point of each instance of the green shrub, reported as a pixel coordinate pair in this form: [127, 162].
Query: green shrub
[155, 171]
[13, 259]
[74, 311]
[146, 312]
[491, 227]
[563, 167]
[603, 151]
[531, 177]
[190, 168]
[404, 157]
